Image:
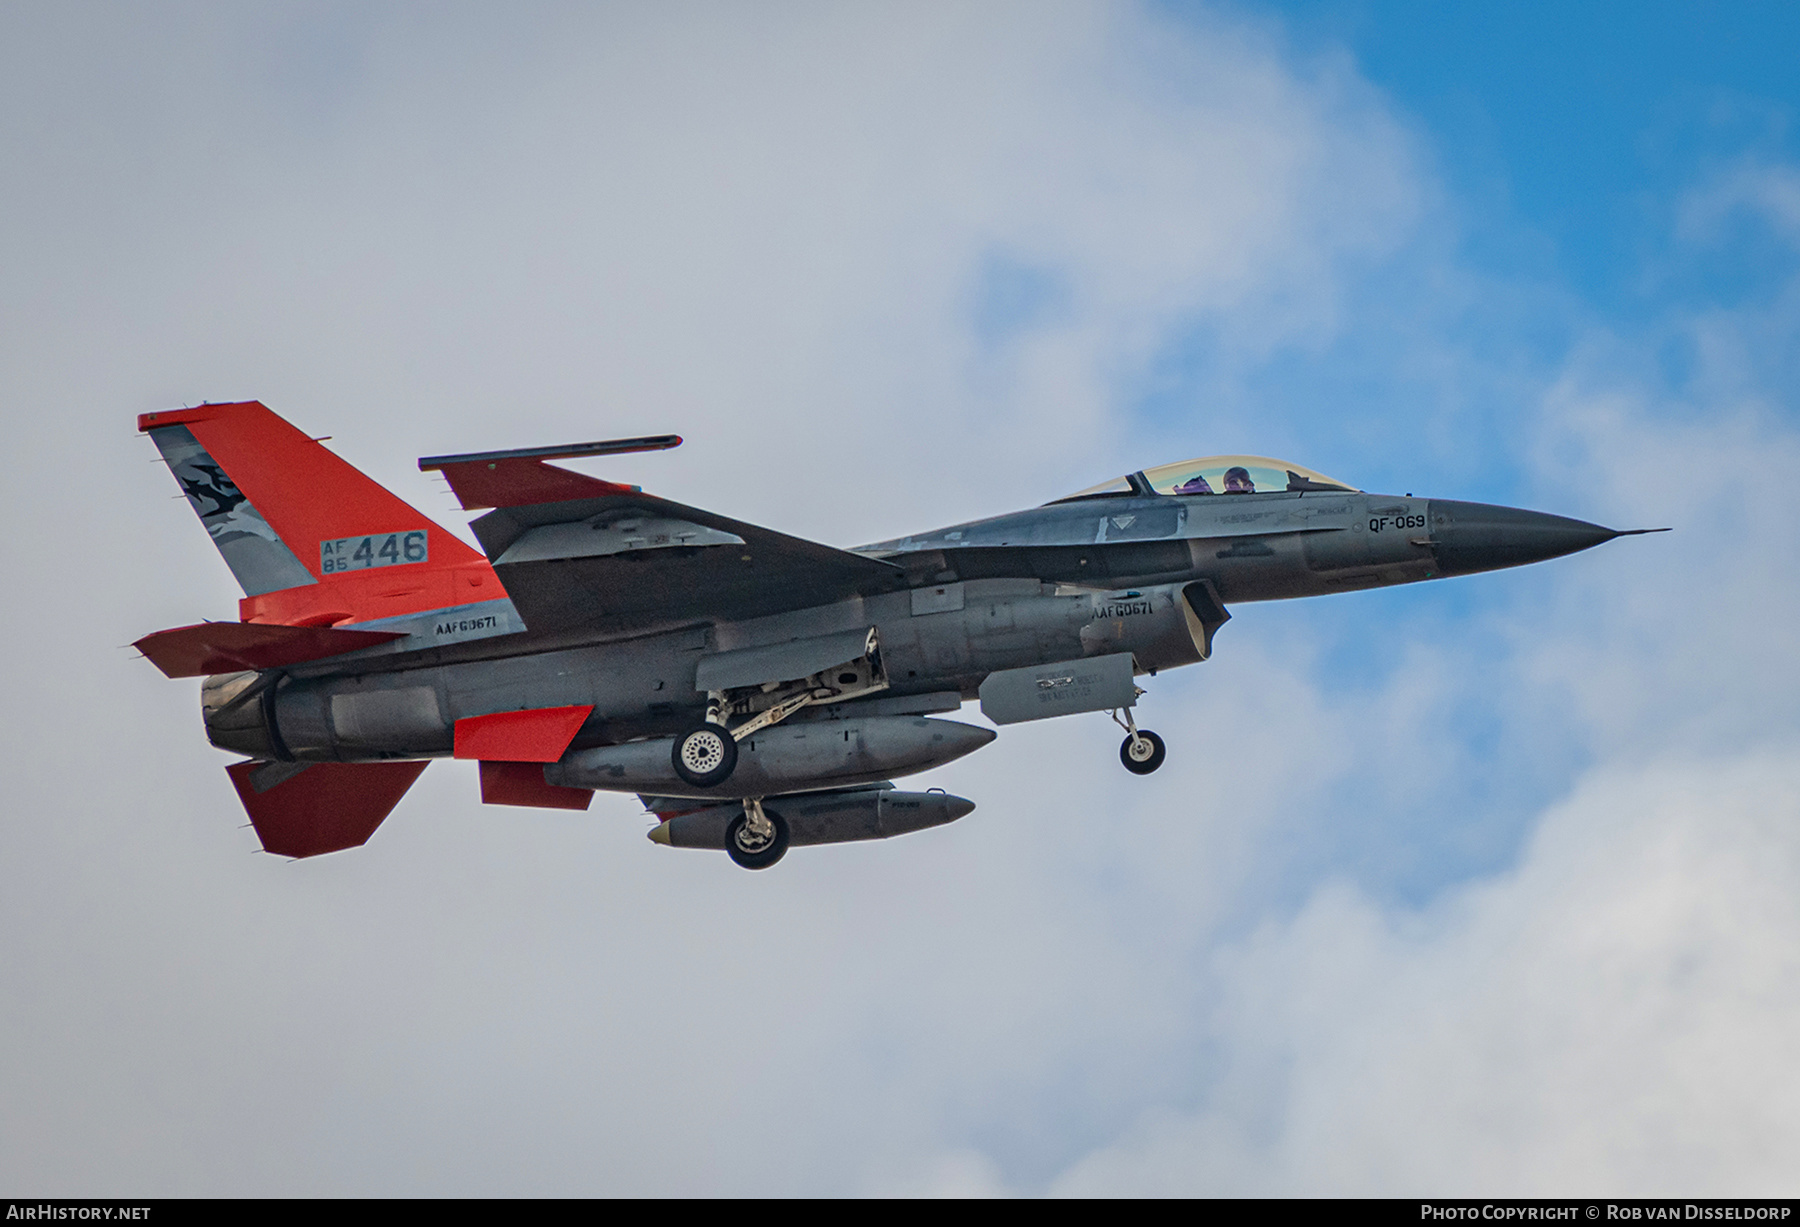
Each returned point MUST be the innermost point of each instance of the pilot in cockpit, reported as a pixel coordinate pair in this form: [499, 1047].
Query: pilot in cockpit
[1237, 481]
[1194, 485]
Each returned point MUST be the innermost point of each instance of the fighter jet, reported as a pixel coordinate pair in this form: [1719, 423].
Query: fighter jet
[756, 690]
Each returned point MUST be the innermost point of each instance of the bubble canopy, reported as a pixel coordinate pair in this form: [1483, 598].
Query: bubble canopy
[1217, 475]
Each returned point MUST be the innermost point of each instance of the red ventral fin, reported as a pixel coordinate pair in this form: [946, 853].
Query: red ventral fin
[226, 647]
[539, 735]
[524, 784]
[308, 809]
[520, 478]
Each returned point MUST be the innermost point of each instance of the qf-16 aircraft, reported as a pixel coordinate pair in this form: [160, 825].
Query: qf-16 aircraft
[756, 690]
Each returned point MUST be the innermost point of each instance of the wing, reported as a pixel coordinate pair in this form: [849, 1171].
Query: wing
[579, 554]
[628, 561]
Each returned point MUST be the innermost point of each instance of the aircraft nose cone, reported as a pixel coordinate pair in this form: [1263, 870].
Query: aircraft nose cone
[1470, 537]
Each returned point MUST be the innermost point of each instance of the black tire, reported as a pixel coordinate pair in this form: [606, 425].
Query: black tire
[753, 857]
[704, 755]
[1139, 764]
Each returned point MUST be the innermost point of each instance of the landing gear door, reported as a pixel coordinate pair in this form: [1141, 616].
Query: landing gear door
[1099, 683]
[784, 662]
[750, 689]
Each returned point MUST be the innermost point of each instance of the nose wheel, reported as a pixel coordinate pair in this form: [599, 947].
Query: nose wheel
[756, 838]
[1142, 751]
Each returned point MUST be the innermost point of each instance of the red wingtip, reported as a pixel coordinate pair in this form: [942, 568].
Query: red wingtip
[522, 483]
[518, 477]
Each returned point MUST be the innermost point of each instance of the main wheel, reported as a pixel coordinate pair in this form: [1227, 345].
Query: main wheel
[1144, 753]
[749, 851]
[704, 755]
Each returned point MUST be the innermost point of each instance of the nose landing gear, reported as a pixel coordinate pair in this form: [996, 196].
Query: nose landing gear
[1142, 751]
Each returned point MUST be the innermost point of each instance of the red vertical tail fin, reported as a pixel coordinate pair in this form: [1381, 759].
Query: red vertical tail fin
[312, 540]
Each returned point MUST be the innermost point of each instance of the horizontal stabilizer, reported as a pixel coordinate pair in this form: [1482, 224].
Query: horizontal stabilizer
[324, 807]
[226, 647]
[520, 478]
[524, 784]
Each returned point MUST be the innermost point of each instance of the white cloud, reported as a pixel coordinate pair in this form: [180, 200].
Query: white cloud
[1768, 191]
[765, 230]
[1620, 1012]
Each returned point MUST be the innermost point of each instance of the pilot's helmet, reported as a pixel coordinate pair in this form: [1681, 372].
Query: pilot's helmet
[1237, 481]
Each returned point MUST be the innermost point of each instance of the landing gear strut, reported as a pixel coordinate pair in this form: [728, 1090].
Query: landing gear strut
[1142, 751]
[706, 754]
[756, 838]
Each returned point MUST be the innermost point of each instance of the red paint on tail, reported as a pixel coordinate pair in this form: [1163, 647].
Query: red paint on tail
[311, 497]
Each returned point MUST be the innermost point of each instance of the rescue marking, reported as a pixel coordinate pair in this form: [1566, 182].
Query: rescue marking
[1067, 689]
[376, 550]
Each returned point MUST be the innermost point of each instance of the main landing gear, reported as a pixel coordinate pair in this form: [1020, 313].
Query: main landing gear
[705, 755]
[756, 838]
[1142, 751]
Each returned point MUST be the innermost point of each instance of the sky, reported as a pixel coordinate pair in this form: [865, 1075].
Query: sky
[1484, 887]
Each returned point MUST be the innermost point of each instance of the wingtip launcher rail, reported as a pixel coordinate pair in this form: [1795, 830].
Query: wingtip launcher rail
[520, 477]
[568, 451]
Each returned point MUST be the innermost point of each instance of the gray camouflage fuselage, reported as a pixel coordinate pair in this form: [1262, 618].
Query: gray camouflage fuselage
[1144, 574]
